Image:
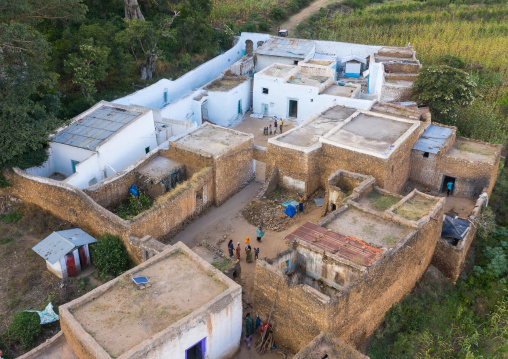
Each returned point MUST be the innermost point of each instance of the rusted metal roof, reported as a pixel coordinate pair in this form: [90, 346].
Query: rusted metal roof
[345, 247]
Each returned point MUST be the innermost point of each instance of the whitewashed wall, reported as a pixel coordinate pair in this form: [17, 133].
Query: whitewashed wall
[153, 96]
[223, 106]
[341, 49]
[90, 168]
[61, 156]
[222, 330]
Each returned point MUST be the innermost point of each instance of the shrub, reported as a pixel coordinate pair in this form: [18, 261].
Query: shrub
[134, 206]
[264, 26]
[453, 61]
[11, 217]
[24, 329]
[278, 13]
[110, 256]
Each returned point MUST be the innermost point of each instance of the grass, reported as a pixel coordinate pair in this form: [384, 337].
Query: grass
[389, 240]
[226, 11]
[222, 265]
[415, 208]
[380, 201]
[464, 146]
[6, 240]
[133, 206]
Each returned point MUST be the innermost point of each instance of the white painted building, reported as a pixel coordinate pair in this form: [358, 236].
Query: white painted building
[66, 252]
[301, 91]
[98, 143]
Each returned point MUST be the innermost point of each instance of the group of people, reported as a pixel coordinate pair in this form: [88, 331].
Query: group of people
[235, 252]
[268, 130]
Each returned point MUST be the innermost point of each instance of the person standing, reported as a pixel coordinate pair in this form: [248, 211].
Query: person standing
[248, 254]
[270, 129]
[275, 125]
[238, 250]
[256, 253]
[231, 248]
[259, 233]
[449, 185]
[247, 243]
[300, 202]
[249, 329]
[281, 123]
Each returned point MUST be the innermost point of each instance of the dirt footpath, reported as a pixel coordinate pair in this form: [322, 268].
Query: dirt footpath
[304, 14]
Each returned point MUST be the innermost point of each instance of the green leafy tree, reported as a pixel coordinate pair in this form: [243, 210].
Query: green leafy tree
[87, 67]
[28, 103]
[143, 37]
[110, 256]
[443, 88]
[24, 329]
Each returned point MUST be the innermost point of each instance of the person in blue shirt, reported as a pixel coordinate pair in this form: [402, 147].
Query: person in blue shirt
[259, 233]
[449, 185]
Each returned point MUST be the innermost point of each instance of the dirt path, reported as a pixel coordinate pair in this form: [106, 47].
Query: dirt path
[305, 13]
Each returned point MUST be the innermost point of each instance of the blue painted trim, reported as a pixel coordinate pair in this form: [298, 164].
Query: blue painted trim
[348, 74]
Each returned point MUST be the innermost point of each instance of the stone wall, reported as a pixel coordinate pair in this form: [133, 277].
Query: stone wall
[449, 259]
[233, 171]
[173, 210]
[353, 313]
[112, 191]
[326, 343]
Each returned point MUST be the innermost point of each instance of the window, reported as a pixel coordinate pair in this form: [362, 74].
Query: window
[197, 351]
[147, 149]
[295, 62]
[265, 90]
[311, 100]
[426, 155]
[92, 181]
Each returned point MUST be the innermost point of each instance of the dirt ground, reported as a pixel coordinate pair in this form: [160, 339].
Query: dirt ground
[226, 222]
[304, 14]
[25, 283]
[256, 125]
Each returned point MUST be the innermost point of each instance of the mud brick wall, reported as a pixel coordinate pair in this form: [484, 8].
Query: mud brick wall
[66, 202]
[411, 68]
[449, 259]
[170, 212]
[194, 162]
[361, 308]
[298, 165]
[300, 313]
[233, 171]
[327, 343]
[399, 163]
[472, 177]
[335, 158]
[112, 191]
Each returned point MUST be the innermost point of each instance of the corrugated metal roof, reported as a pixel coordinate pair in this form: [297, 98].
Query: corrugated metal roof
[96, 127]
[58, 244]
[286, 47]
[432, 139]
[345, 247]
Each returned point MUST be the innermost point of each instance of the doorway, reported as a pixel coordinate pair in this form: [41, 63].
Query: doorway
[444, 184]
[240, 109]
[265, 108]
[293, 108]
[70, 263]
[204, 111]
[197, 351]
[82, 257]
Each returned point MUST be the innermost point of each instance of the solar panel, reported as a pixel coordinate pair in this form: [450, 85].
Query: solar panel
[140, 280]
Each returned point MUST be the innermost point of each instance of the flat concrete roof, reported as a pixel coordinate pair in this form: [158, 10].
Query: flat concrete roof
[368, 228]
[212, 139]
[370, 133]
[159, 167]
[124, 316]
[277, 70]
[307, 80]
[343, 91]
[226, 83]
[472, 150]
[308, 134]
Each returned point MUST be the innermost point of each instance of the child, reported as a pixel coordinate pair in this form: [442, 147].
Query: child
[281, 123]
[275, 125]
[256, 253]
[270, 129]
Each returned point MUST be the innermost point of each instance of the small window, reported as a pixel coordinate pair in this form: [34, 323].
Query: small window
[426, 155]
[295, 62]
[147, 149]
[92, 181]
[311, 100]
[265, 90]
[74, 164]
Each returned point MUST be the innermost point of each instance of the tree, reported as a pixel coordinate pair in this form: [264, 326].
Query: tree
[143, 39]
[443, 88]
[87, 67]
[132, 10]
[110, 256]
[28, 102]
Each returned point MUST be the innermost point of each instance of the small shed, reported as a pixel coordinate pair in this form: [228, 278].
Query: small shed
[66, 252]
[353, 65]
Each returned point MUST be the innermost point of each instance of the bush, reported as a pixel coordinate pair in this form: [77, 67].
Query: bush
[135, 205]
[24, 329]
[264, 26]
[453, 61]
[110, 256]
[278, 13]
[11, 217]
